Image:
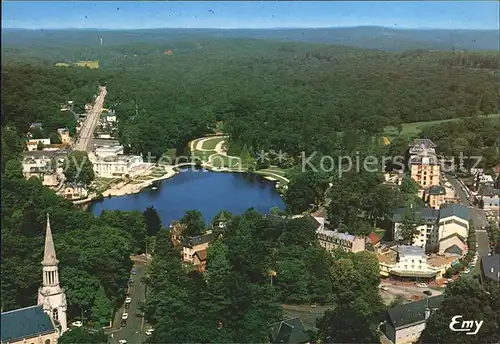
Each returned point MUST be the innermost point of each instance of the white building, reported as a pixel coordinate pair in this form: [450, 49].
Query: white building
[32, 145]
[437, 226]
[113, 166]
[108, 151]
[64, 134]
[405, 323]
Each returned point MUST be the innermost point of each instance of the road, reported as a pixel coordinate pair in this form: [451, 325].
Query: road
[477, 215]
[408, 291]
[86, 134]
[133, 331]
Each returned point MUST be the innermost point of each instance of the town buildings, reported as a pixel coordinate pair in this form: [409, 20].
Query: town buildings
[333, 240]
[424, 163]
[434, 196]
[192, 245]
[45, 322]
[33, 144]
[64, 135]
[438, 230]
[405, 323]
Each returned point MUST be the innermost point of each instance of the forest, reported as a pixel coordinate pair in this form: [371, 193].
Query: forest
[256, 265]
[283, 96]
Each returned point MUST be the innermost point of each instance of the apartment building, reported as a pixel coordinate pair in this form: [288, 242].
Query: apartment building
[424, 163]
[333, 240]
[435, 196]
[405, 323]
[439, 230]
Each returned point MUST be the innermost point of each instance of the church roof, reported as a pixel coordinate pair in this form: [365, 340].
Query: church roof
[49, 254]
[26, 322]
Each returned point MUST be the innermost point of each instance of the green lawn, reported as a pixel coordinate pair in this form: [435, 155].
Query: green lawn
[210, 144]
[225, 161]
[201, 155]
[413, 129]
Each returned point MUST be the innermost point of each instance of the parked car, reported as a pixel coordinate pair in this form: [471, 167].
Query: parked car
[427, 292]
[133, 271]
[123, 323]
[149, 332]
[122, 341]
[124, 316]
[421, 285]
[384, 288]
[77, 323]
[128, 300]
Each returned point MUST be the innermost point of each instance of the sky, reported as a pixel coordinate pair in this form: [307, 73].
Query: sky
[249, 14]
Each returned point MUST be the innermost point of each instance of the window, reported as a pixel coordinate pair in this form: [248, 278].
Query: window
[55, 314]
[47, 341]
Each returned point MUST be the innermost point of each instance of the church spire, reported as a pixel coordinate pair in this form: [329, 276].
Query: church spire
[49, 255]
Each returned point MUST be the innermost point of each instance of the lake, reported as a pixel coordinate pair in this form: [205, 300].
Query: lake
[208, 192]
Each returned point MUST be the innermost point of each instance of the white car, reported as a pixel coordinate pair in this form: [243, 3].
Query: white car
[122, 341]
[128, 300]
[77, 323]
[384, 288]
[124, 316]
[149, 332]
[421, 285]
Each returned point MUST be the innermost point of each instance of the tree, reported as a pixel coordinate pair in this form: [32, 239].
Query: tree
[481, 203]
[466, 298]
[335, 326]
[40, 146]
[408, 228]
[78, 168]
[305, 191]
[80, 288]
[101, 309]
[152, 220]
[81, 335]
[195, 224]
[13, 169]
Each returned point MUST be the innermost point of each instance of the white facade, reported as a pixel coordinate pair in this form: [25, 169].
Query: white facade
[452, 225]
[108, 151]
[111, 118]
[50, 295]
[32, 145]
[412, 260]
[118, 165]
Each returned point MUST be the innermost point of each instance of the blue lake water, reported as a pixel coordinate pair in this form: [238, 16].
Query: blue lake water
[208, 192]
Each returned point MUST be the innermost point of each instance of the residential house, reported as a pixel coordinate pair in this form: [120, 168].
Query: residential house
[36, 125]
[373, 239]
[32, 145]
[490, 269]
[424, 164]
[28, 325]
[74, 191]
[36, 167]
[290, 331]
[490, 197]
[434, 196]
[200, 260]
[436, 226]
[50, 179]
[405, 323]
[64, 134]
[191, 245]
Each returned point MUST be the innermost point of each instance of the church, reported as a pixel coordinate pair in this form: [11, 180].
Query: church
[45, 322]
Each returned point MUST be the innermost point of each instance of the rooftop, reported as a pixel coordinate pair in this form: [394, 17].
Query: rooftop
[436, 190]
[490, 267]
[198, 240]
[413, 312]
[23, 323]
[453, 209]
[425, 143]
[289, 331]
[424, 160]
[406, 250]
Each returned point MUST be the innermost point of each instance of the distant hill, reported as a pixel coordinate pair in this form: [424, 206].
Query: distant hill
[387, 39]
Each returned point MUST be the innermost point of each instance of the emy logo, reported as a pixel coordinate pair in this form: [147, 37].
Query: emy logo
[470, 327]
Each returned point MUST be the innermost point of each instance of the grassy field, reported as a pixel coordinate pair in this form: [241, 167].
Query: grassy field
[413, 129]
[201, 155]
[102, 184]
[210, 144]
[224, 161]
[88, 64]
